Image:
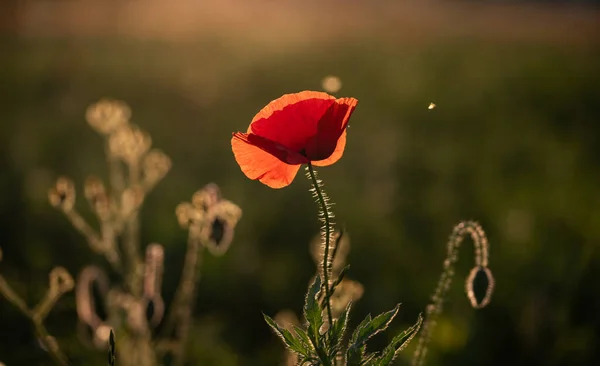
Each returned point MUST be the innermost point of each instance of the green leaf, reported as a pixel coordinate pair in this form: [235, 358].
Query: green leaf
[336, 332]
[294, 344]
[367, 359]
[398, 344]
[376, 325]
[365, 330]
[312, 310]
[362, 324]
[301, 333]
[354, 355]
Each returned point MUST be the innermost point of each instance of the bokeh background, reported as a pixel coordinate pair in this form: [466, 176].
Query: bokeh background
[513, 143]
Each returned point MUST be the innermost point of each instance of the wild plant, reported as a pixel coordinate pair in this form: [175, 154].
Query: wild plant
[310, 128]
[145, 328]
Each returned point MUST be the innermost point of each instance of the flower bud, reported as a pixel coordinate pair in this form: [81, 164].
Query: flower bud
[129, 144]
[62, 195]
[107, 115]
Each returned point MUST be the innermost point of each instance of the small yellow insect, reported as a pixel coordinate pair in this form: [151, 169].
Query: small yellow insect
[431, 106]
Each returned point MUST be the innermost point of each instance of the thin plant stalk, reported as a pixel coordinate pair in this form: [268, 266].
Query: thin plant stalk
[132, 237]
[116, 175]
[434, 309]
[325, 212]
[179, 315]
[52, 348]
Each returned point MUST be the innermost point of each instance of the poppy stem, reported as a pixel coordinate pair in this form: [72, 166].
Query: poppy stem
[326, 220]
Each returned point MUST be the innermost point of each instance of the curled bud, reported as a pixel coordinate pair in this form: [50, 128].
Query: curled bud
[217, 232]
[62, 195]
[129, 143]
[107, 115]
[156, 164]
[207, 197]
[469, 284]
[228, 211]
[217, 235]
[86, 301]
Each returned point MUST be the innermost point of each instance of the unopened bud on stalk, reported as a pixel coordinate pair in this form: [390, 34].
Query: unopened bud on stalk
[62, 195]
[107, 115]
[129, 143]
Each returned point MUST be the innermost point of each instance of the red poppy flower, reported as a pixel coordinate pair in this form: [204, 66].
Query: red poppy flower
[292, 130]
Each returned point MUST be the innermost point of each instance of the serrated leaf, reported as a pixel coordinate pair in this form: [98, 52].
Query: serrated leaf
[301, 334]
[336, 332]
[362, 324]
[312, 310]
[294, 344]
[398, 344]
[354, 355]
[367, 359]
[376, 325]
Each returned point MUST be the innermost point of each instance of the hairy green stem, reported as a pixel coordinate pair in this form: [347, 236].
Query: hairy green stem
[327, 237]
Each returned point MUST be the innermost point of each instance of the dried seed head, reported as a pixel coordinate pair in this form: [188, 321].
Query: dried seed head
[93, 187]
[207, 197]
[156, 164]
[129, 143]
[217, 231]
[217, 235]
[345, 292]
[96, 195]
[182, 211]
[131, 200]
[61, 280]
[107, 115]
[62, 195]
[188, 215]
[229, 211]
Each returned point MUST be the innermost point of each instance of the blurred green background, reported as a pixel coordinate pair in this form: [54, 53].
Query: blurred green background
[513, 143]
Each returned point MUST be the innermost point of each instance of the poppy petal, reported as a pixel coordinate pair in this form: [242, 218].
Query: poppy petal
[258, 164]
[330, 128]
[279, 151]
[292, 119]
[337, 153]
